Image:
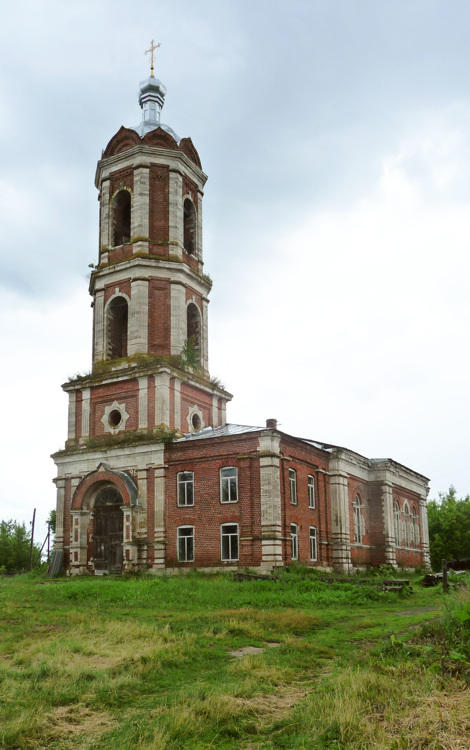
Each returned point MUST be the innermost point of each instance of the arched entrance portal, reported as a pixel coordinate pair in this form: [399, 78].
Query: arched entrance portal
[108, 531]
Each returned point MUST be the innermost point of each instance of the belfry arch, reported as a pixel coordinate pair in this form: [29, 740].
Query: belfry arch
[193, 327]
[117, 317]
[189, 226]
[121, 218]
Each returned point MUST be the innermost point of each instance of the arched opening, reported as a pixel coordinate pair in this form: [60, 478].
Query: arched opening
[193, 329]
[108, 531]
[358, 519]
[122, 218]
[396, 515]
[189, 223]
[116, 328]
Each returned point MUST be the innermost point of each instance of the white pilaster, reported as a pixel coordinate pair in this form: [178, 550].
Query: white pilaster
[176, 214]
[71, 415]
[199, 234]
[162, 398]
[138, 322]
[60, 509]
[340, 531]
[423, 517]
[140, 209]
[215, 411]
[98, 319]
[85, 412]
[270, 484]
[143, 403]
[388, 522]
[177, 404]
[205, 335]
[105, 230]
[178, 318]
[159, 508]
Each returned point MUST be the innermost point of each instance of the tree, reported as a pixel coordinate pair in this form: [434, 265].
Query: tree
[449, 527]
[15, 544]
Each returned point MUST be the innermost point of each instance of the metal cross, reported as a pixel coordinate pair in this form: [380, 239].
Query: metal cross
[152, 49]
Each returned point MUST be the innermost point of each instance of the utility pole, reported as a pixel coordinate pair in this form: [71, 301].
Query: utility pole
[32, 541]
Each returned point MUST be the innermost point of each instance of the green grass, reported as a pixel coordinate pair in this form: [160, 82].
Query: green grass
[145, 663]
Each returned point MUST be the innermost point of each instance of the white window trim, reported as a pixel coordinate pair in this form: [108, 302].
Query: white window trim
[358, 518]
[185, 483]
[229, 559]
[227, 479]
[185, 526]
[311, 491]
[294, 535]
[310, 536]
[293, 483]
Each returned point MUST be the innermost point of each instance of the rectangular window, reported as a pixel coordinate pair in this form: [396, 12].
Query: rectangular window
[186, 488]
[229, 541]
[294, 538]
[293, 486]
[228, 485]
[313, 543]
[185, 540]
[311, 491]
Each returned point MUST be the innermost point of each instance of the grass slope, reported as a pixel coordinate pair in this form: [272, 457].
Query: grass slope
[146, 663]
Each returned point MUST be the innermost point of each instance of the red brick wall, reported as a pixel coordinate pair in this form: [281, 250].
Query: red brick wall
[124, 176]
[110, 289]
[123, 252]
[205, 458]
[126, 391]
[190, 396]
[159, 316]
[159, 209]
[305, 460]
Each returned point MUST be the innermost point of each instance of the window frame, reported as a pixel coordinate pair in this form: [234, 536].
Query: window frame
[313, 536]
[311, 491]
[228, 481]
[183, 485]
[230, 536]
[185, 537]
[293, 486]
[358, 519]
[294, 541]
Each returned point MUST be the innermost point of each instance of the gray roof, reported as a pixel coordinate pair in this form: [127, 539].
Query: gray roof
[214, 432]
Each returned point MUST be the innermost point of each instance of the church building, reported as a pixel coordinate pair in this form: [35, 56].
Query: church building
[152, 476]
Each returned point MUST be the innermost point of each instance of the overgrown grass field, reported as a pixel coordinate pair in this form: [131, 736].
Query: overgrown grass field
[203, 661]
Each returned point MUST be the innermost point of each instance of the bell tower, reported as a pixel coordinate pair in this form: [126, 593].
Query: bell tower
[150, 293]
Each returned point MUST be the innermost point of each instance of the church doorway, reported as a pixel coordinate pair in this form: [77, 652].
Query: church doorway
[108, 531]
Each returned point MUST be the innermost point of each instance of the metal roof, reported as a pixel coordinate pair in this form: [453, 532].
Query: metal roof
[214, 432]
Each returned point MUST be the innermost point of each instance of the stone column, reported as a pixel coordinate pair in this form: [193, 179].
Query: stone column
[388, 522]
[99, 339]
[179, 323]
[340, 531]
[138, 321]
[215, 411]
[143, 403]
[270, 484]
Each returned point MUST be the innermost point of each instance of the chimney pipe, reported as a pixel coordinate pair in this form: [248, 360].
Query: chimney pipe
[271, 424]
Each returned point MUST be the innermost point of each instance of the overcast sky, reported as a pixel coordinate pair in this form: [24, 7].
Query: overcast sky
[336, 138]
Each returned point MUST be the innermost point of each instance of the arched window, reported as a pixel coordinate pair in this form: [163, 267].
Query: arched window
[396, 515]
[358, 519]
[294, 541]
[116, 328]
[189, 227]
[407, 523]
[415, 527]
[193, 328]
[121, 218]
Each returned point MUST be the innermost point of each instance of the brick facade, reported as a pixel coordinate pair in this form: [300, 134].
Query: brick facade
[133, 495]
